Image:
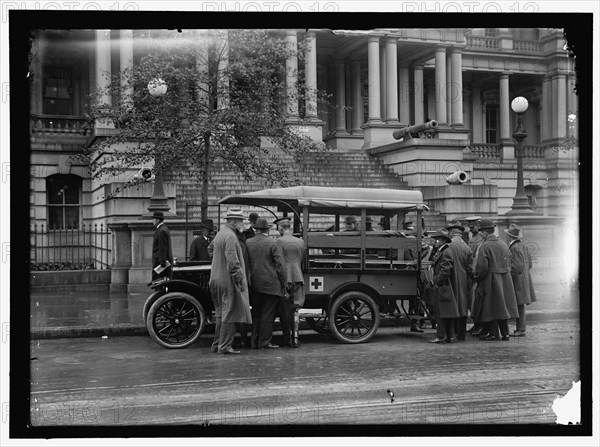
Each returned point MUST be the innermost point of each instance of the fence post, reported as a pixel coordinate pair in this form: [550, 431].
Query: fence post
[95, 245]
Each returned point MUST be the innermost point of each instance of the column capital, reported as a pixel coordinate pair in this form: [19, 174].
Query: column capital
[441, 48]
[505, 74]
[291, 33]
[390, 39]
[419, 66]
[375, 37]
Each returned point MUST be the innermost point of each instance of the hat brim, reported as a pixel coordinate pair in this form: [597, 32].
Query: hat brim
[516, 236]
[458, 227]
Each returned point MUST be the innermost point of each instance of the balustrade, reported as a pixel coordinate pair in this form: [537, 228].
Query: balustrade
[58, 124]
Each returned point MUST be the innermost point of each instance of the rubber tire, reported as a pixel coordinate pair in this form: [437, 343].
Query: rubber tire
[335, 316]
[316, 325]
[159, 303]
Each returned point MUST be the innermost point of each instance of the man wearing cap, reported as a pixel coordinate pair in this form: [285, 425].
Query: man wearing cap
[293, 253]
[228, 283]
[443, 284]
[495, 293]
[268, 283]
[161, 246]
[520, 266]
[475, 240]
[462, 263]
[250, 232]
[199, 246]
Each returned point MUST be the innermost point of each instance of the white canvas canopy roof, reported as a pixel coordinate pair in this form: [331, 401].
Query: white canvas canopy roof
[326, 197]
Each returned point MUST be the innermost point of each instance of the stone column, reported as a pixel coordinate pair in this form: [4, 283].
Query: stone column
[374, 100]
[448, 87]
[418, 98]
[456, 91]
[546, 124]
[291, 77]
[311, 77]
[37, 95]
[203, 96]
[340, 100]
[440, 85]
[505, 133]
[391, 47]
[126, 64]
[559, 109]
[103, 66]
[382, 81]
[348, 111]
[357, 99]
[478, 115]
[431, 101]
[404, 96]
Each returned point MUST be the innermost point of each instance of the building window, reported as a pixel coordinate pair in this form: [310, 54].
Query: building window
[491, 124]
[64, 192]
[57, 92]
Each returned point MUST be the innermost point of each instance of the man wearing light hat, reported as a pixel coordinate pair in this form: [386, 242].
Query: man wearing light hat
[268, 283]
[495, 301]
[161, 246]
[293, 253]
[228, 283]
[520, 266]
[462, 261]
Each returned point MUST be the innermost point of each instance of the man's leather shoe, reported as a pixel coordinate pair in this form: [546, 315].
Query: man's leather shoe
[450, 340]
[270, 346]
[416, 329]
[460, 338]
[476, 332]
[230, 351]
[519, 334]
[437, 340]
[505, 338]
[214, 349]
[490, 337]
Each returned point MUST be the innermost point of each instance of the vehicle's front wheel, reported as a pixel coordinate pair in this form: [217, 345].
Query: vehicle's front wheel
[175, 320]
[354, 317]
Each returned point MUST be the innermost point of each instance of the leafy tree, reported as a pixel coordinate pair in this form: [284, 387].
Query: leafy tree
[225, 98]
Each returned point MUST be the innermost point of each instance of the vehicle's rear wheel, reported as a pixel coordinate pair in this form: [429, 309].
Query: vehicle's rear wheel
[319, 324]
[175, 320]
[354, 317]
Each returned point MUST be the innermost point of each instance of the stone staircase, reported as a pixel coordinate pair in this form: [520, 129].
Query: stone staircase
[337, 168]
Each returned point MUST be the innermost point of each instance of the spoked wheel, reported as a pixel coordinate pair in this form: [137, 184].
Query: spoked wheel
[354, 317]
[319, 324]
[175, 320]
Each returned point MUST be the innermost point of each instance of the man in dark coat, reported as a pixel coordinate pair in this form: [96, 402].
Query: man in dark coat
[199, 246]
[475, 241]
[161, 246]
[462, 263]
[495, 292]
[443, 284]
[520, 266]
[228, 283]
[268, 283]
[251, 232]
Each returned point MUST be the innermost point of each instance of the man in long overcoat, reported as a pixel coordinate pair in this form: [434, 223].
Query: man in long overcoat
[462, 263]
[293, 253]
[444, 297]
[228, 283]
[475, 241]
[495, 290]
[520, 266]
[268, 283]
[161, 246]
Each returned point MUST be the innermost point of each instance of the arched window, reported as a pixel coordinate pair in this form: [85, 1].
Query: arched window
[63, 199]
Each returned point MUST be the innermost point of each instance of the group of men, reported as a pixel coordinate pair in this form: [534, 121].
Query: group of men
[486, 277]
[249, 268]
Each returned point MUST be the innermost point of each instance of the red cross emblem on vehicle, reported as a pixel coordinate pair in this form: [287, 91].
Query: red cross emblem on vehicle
[315, 284]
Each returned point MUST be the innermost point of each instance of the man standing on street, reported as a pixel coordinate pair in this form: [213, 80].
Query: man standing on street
[199, 246]
[228, 283]
[269, 281]
[495, 290]
[520, 265]
[250, 231]
[475, 241]
[293, 253]
[443, 284]
[462, 263]
[162, 255]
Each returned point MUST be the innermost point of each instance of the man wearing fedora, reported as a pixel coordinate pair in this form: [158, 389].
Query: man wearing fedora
[161, 246]
[462, 260]
[293, 253]
[228, 283]
[520, 266]
[495, 301]
[443, 288]
[199, 246]
[268, 283]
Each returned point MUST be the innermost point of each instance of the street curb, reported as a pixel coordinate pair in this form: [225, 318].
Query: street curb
[133, 329]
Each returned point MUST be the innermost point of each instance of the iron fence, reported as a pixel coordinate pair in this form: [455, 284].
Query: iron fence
[86, 248]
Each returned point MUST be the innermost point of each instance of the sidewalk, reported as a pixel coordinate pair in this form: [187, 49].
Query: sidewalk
[69, 314]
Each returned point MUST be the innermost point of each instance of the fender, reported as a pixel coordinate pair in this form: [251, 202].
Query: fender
[356, 286]
[180, 285]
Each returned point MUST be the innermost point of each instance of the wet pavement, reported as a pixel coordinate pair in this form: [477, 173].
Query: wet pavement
[64, 313]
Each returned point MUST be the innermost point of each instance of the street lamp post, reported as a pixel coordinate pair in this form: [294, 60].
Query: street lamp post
[158, 202]
[520, 203]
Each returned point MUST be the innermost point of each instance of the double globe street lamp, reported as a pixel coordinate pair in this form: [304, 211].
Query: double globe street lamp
[520, 202]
